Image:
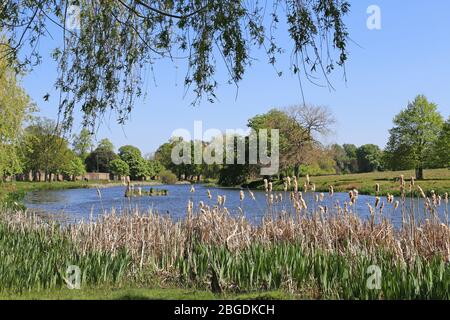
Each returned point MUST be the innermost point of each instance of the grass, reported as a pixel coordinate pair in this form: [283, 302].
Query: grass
[435, 179]
[300, 249]
[111, 293]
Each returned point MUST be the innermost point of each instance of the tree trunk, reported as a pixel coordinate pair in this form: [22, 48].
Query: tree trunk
[419, 173]
[297, 170]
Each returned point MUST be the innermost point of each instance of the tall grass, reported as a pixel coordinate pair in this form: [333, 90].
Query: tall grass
[35, 256]
[306, 248]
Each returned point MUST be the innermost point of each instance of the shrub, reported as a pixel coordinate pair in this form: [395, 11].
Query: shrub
[168, 177]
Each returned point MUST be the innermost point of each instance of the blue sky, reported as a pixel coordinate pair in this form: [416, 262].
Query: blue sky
[386, 69]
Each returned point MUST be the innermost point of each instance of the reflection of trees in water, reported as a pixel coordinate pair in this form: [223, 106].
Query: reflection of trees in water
[47, 197]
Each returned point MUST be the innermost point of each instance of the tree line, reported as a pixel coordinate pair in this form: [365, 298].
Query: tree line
[420, 139]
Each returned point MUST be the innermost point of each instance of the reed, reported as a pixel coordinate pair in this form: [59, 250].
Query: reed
[305, 248]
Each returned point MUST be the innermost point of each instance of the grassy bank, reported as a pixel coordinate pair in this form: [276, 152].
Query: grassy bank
[435, 179]
[295, 251]
[117, 293]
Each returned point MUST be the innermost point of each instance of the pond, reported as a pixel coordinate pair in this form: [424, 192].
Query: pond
[82, 204]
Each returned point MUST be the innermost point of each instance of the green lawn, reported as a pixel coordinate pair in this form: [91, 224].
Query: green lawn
[138, 294]
[435, 179]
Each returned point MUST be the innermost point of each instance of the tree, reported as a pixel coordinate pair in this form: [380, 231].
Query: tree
[73, 166]
[99, 159]
[289, 133]
[340, 158]
[350, 151]
[101, 63]
[415, 133]
[14, 107]
[137, 164]
[441, 148]
[236, 174]
[43, 148]
[119, 167]
[154, 168]
[82, 144]
[164, 156]
[369, 158]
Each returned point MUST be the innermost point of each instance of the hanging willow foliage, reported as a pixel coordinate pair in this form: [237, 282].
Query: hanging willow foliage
[102, 61]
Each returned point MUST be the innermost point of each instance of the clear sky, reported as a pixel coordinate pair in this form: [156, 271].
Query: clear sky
[410, 55]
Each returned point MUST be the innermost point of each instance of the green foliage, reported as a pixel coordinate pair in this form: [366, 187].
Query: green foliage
[441, 148]
[99, 159]
[369, 157]
[14, 107]
[74, 166]
[167, 177]
[43, 149]
[119, 167]
[137, 164]
[154, 168]
[98, 77]
[82, 144]
[234, 175]
[412, 138]
[38, 259]
[330, 275]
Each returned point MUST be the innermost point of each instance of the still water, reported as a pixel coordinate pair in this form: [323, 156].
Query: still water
[82, 204]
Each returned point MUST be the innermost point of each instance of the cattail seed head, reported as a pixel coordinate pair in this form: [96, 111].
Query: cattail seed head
[331, 190]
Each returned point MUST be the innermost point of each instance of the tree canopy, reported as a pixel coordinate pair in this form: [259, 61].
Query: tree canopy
[102, 60]
[14, 107]
[414, 135]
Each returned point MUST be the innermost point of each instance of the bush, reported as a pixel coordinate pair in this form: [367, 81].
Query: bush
[168, 177]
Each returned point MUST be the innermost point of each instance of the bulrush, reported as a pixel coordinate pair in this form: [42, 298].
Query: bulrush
[331, 190]
[271, 198]
[266, 185]
[241, 195]
[377, 201]
[422, 194]
[295, 184]
[252, 195]
[377, 188]
[192, 189]
[270, 186]
[396, 204]
[209, 194]
[390, 198]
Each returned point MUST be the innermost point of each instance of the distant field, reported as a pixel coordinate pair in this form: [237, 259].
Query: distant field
[435, 179]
